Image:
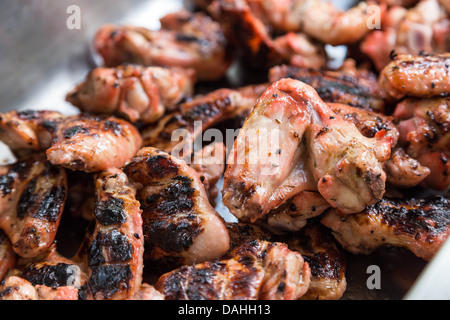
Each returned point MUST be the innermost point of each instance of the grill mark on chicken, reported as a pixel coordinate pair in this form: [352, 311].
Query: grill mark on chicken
[420, 225]
[360, 91]
[114, 246]
[33, 199]
[177, 216]
[50, 275]
[253, 270]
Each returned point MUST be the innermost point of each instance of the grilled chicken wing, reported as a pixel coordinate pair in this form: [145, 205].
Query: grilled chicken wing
[320, 20]
[356, 88]
[326, 259]
[290, 122]
[140, 94]
[420, 225]
[424, 133]
[180, 225]
[426, 75]
[422, 28]
[79, 142]
[32, 199]
[7, 255]
[198, 115]
[16, 288]
[254, 270]
[250, 38]
[186, 40]
[116, 245]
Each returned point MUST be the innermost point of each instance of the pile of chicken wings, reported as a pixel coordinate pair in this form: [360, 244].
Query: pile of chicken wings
[324, 161]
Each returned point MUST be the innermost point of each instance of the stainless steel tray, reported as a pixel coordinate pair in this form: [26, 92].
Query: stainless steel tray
[42, 59]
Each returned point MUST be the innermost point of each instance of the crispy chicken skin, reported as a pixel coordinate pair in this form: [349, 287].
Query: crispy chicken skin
[32, 197]
[420, 225]
[116, 245]
[180, 226]
[424, 133]
[425, 75]
[325, 258]
[80, 142]
[356, 88]
[264, 169]
[140, 94]
[185, 40]
[254, 270]
[7, 255]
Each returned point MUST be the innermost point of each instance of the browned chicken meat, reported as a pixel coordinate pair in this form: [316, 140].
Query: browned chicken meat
[79, 142]
[32, 199]
[424, 133]
[179, 224]
[325, 258]
[420, 225]
[267, 164]
[140, 94]
[116, 246]
[425, 76]
[186, 40]
[254, 270]
[356, 88]
[422, 28]
[251, 39]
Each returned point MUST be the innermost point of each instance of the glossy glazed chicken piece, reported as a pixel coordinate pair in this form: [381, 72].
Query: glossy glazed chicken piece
[422, 28]
[326, 259]
[32, 197]
[80, 142]
[292, 135]
[180, 225]
[425, 76]
[250, 37]
[186, 40]
[7, 255]
[16, 288]
[356, 88]
[255, 270]
[115, 247]
[424, 133]
[140, 94]
[177, 131]
[420, 225]
[320, 20]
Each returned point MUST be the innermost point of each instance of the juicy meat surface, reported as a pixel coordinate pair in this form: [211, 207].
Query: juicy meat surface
[292, 142]
[79, 142]
[32, 199]
[116, 246]
[140, 94]
[325, 258]
[425, 75]
[180, 226]
[420, 225]
[186, 40]
[354, 88]
[254, 270]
